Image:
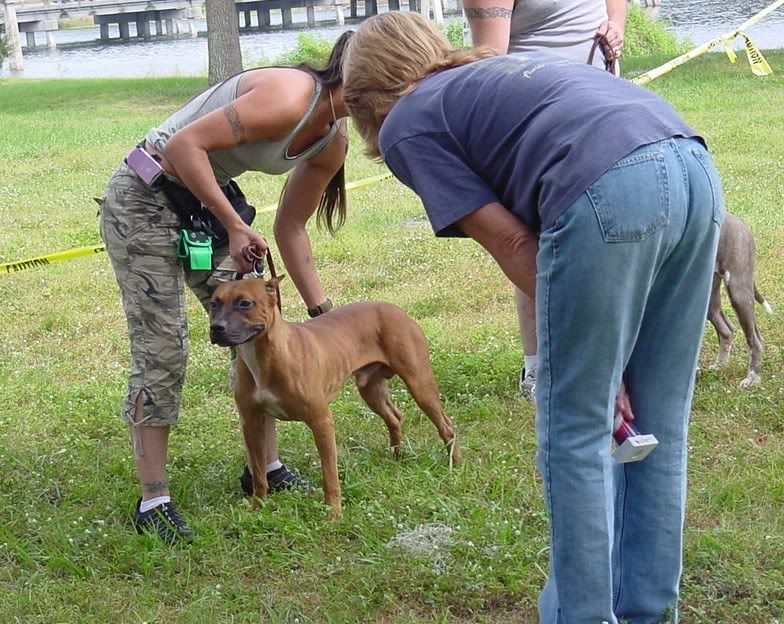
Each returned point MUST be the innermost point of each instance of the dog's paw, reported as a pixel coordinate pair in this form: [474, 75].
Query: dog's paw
[752, 379]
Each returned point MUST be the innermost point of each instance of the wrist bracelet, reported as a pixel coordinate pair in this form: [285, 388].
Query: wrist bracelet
[320, 309]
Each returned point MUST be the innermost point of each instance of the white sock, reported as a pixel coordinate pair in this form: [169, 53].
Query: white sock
[153, 503]
[274, 465]
[530, 364]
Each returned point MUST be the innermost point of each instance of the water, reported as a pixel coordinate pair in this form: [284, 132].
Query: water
[702, 20]
[82, 54]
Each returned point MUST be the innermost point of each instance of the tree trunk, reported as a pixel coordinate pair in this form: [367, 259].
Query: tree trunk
[223, 40]
[10, 42]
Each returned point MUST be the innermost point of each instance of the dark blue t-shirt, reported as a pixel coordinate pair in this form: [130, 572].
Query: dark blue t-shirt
[532, 132]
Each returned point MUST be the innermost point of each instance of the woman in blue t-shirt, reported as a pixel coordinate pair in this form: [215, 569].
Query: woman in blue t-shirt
[595, 197]
[566, 28]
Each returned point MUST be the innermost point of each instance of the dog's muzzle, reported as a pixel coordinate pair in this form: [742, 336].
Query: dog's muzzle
[225, 336]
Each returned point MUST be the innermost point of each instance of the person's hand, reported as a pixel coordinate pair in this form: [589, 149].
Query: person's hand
[612, 38]
[623, 405]
[246, 246]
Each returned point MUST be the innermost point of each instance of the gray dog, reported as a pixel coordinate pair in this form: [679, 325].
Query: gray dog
[735, 266]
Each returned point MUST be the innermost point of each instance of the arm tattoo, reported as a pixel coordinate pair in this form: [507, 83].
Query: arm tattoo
[233, 118]
[488, 13]
[156, 487]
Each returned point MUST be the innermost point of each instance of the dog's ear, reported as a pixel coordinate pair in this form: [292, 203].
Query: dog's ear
[273, 283]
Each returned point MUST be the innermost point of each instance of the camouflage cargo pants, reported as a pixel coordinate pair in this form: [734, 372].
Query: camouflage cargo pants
[141, 234]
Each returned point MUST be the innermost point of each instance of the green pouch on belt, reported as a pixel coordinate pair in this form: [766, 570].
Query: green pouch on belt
[197, 248]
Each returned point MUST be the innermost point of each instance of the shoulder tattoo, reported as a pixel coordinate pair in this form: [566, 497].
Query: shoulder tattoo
[233, 117]
[488, 13]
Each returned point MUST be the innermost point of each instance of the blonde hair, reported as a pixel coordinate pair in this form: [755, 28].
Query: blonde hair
[386, 58]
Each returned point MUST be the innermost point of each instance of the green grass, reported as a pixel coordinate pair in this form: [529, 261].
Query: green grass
[66, 475]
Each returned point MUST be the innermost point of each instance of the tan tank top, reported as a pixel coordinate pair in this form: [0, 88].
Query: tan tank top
[560, 27]
[270, 157]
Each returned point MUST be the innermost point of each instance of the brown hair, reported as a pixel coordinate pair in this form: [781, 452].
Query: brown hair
[331, 212]
[386, 58]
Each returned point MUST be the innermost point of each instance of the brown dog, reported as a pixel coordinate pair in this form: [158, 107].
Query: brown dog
[292, 371]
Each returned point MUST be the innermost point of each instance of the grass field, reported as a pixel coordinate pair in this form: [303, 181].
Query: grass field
[66, 476]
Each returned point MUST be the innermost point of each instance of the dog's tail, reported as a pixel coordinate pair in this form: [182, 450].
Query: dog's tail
[761, 300]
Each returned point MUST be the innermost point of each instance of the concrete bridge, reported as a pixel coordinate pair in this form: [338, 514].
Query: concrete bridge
[177, 15]
[166, 17]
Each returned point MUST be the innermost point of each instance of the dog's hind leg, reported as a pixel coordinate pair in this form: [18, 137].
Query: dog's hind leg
[721, 324]
[422, 386]
[373, 390]
[412, 365]
[742, 298]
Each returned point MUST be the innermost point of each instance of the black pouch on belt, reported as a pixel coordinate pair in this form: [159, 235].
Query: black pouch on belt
[193, 216]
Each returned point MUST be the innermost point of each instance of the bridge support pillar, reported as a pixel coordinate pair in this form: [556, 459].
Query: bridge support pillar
[170, 27]
[285, 14]
[158, 26]
[246, 19]
[353, 9]
[394, 5]
[143, 27]
[50, 40]
[340, 18]
[30, 40]
[188, 26]
[125, 31]
[311, 11]
[371, 7]
[104, 31]
[263, 17]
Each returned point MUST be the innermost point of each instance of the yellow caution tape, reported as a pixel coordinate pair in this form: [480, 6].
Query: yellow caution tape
[78, 252]
[759, 66]
[730, 51]
[41, 261]
[724, 40]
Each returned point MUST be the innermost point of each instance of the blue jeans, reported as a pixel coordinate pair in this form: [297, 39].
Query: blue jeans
[622, 290]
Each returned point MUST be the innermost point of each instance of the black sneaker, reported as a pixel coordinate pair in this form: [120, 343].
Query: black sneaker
[277, 481]
[163, 521]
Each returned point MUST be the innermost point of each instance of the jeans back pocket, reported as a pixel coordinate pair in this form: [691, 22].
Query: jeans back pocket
[632, 199]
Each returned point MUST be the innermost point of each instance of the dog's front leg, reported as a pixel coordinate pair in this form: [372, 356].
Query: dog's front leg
[323, 428]
[253, 430]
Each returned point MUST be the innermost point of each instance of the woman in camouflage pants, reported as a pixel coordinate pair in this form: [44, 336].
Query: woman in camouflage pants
[272, 120]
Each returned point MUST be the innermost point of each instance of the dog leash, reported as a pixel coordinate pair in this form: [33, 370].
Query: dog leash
[273, 275]
[609, 65]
